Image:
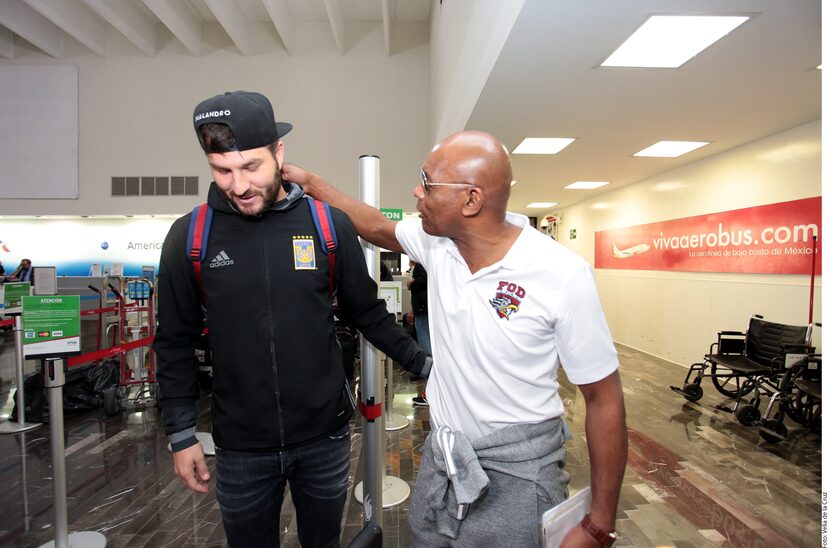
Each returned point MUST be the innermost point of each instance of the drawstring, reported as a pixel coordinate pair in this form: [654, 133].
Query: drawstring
[446, 440]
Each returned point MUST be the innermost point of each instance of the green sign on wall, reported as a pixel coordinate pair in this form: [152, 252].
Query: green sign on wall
[51, 325]
[392, 214]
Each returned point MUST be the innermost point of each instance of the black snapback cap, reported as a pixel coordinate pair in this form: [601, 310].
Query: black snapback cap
[247, 114]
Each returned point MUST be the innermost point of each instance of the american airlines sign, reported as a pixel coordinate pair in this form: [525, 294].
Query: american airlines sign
[768, 239]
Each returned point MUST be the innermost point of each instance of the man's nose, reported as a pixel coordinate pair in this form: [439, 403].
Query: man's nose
[418, 191]
[239, 184]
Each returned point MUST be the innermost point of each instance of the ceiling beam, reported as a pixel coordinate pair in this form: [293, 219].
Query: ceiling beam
[6, 44]
[130, 21]
[232, 19]
[29, 24]
[338, 23]
[283, 22]
[177, 17]
[388, 16]
[77, 21]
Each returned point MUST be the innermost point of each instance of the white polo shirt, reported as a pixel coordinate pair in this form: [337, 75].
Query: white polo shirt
[499, 335]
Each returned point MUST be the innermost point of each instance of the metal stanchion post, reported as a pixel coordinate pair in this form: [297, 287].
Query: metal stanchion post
[53, 380]
[393, 420]
[27, 519]
[371, 382]
[9, 427]
[389, 490]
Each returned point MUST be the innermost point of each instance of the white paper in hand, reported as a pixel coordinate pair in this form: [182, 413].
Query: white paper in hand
[563, 517]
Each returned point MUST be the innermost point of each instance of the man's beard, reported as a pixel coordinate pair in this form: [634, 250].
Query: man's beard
[269, 196]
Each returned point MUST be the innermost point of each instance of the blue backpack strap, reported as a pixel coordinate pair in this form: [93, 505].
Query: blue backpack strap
[321, 214]
[197, 237]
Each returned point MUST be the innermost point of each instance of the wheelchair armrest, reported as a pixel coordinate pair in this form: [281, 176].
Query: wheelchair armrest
[741, 333]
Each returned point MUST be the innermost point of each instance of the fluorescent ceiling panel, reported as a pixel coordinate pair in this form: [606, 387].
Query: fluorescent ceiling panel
[670, 149]
[586, 185]
[542, 145]
[668, 41]
[539, 205]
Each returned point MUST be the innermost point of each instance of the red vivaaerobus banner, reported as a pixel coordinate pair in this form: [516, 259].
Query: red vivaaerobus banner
[769, 239]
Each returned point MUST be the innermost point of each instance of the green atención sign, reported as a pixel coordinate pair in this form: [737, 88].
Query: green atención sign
[51, 325]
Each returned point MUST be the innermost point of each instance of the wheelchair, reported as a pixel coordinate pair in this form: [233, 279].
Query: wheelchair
[730, 344]
[799, 397]
[740, 363]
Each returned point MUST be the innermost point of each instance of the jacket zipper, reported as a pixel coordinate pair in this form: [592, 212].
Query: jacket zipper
[272, 345]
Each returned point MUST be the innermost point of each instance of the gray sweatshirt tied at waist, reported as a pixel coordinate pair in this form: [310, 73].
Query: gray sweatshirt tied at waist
[519, 450]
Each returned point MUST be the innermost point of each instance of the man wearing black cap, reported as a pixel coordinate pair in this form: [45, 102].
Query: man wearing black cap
[281, 401]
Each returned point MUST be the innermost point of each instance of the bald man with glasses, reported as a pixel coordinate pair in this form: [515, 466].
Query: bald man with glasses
[508, 307]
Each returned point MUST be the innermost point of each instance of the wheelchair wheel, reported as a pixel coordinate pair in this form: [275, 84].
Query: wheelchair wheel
[725, 379]
[771, 427]
[799, 406]
[804, 409]
[747, 414]
[692, 391]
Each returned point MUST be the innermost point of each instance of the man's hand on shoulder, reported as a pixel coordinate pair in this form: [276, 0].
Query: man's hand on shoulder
[189, 464]
[296, 174]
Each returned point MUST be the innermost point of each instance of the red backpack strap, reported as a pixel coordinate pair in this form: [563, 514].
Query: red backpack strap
[197, 237]
[321, 214]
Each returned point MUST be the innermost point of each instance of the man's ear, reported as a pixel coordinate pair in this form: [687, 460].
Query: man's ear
[474, 203]
[279, 152]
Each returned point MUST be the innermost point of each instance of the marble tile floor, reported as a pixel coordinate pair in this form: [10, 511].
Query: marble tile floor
[695, 477]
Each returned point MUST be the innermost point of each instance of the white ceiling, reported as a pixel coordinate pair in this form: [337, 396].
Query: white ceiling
[758, 80]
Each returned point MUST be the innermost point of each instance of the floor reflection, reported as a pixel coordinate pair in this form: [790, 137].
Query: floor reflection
[695, 476]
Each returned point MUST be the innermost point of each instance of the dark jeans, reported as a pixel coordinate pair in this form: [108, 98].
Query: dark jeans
[422, 330]
[250, 487]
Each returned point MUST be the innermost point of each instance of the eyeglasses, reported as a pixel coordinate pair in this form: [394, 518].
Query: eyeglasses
[427, 184]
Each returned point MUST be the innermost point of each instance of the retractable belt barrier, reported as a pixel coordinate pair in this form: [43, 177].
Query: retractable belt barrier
[4, 323]
[107, 352]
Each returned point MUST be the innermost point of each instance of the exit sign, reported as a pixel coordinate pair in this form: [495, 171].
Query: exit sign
[393, 214]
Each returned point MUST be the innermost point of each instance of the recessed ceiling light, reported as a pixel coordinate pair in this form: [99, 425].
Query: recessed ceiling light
[668, 41]
[513, 182]
[542, 145]
[540, 205]
[586, 185]
[670, 149]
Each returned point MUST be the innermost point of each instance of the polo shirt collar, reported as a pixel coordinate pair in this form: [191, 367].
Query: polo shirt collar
[519, 254]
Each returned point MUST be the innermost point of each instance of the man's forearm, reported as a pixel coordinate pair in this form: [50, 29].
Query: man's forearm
[370, 223]
[607, 449]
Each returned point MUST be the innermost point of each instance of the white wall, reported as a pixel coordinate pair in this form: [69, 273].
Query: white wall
[676, 315]
[135, 111]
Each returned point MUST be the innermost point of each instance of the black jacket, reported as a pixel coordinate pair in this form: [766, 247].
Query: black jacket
[278, 373]
[418, 287]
